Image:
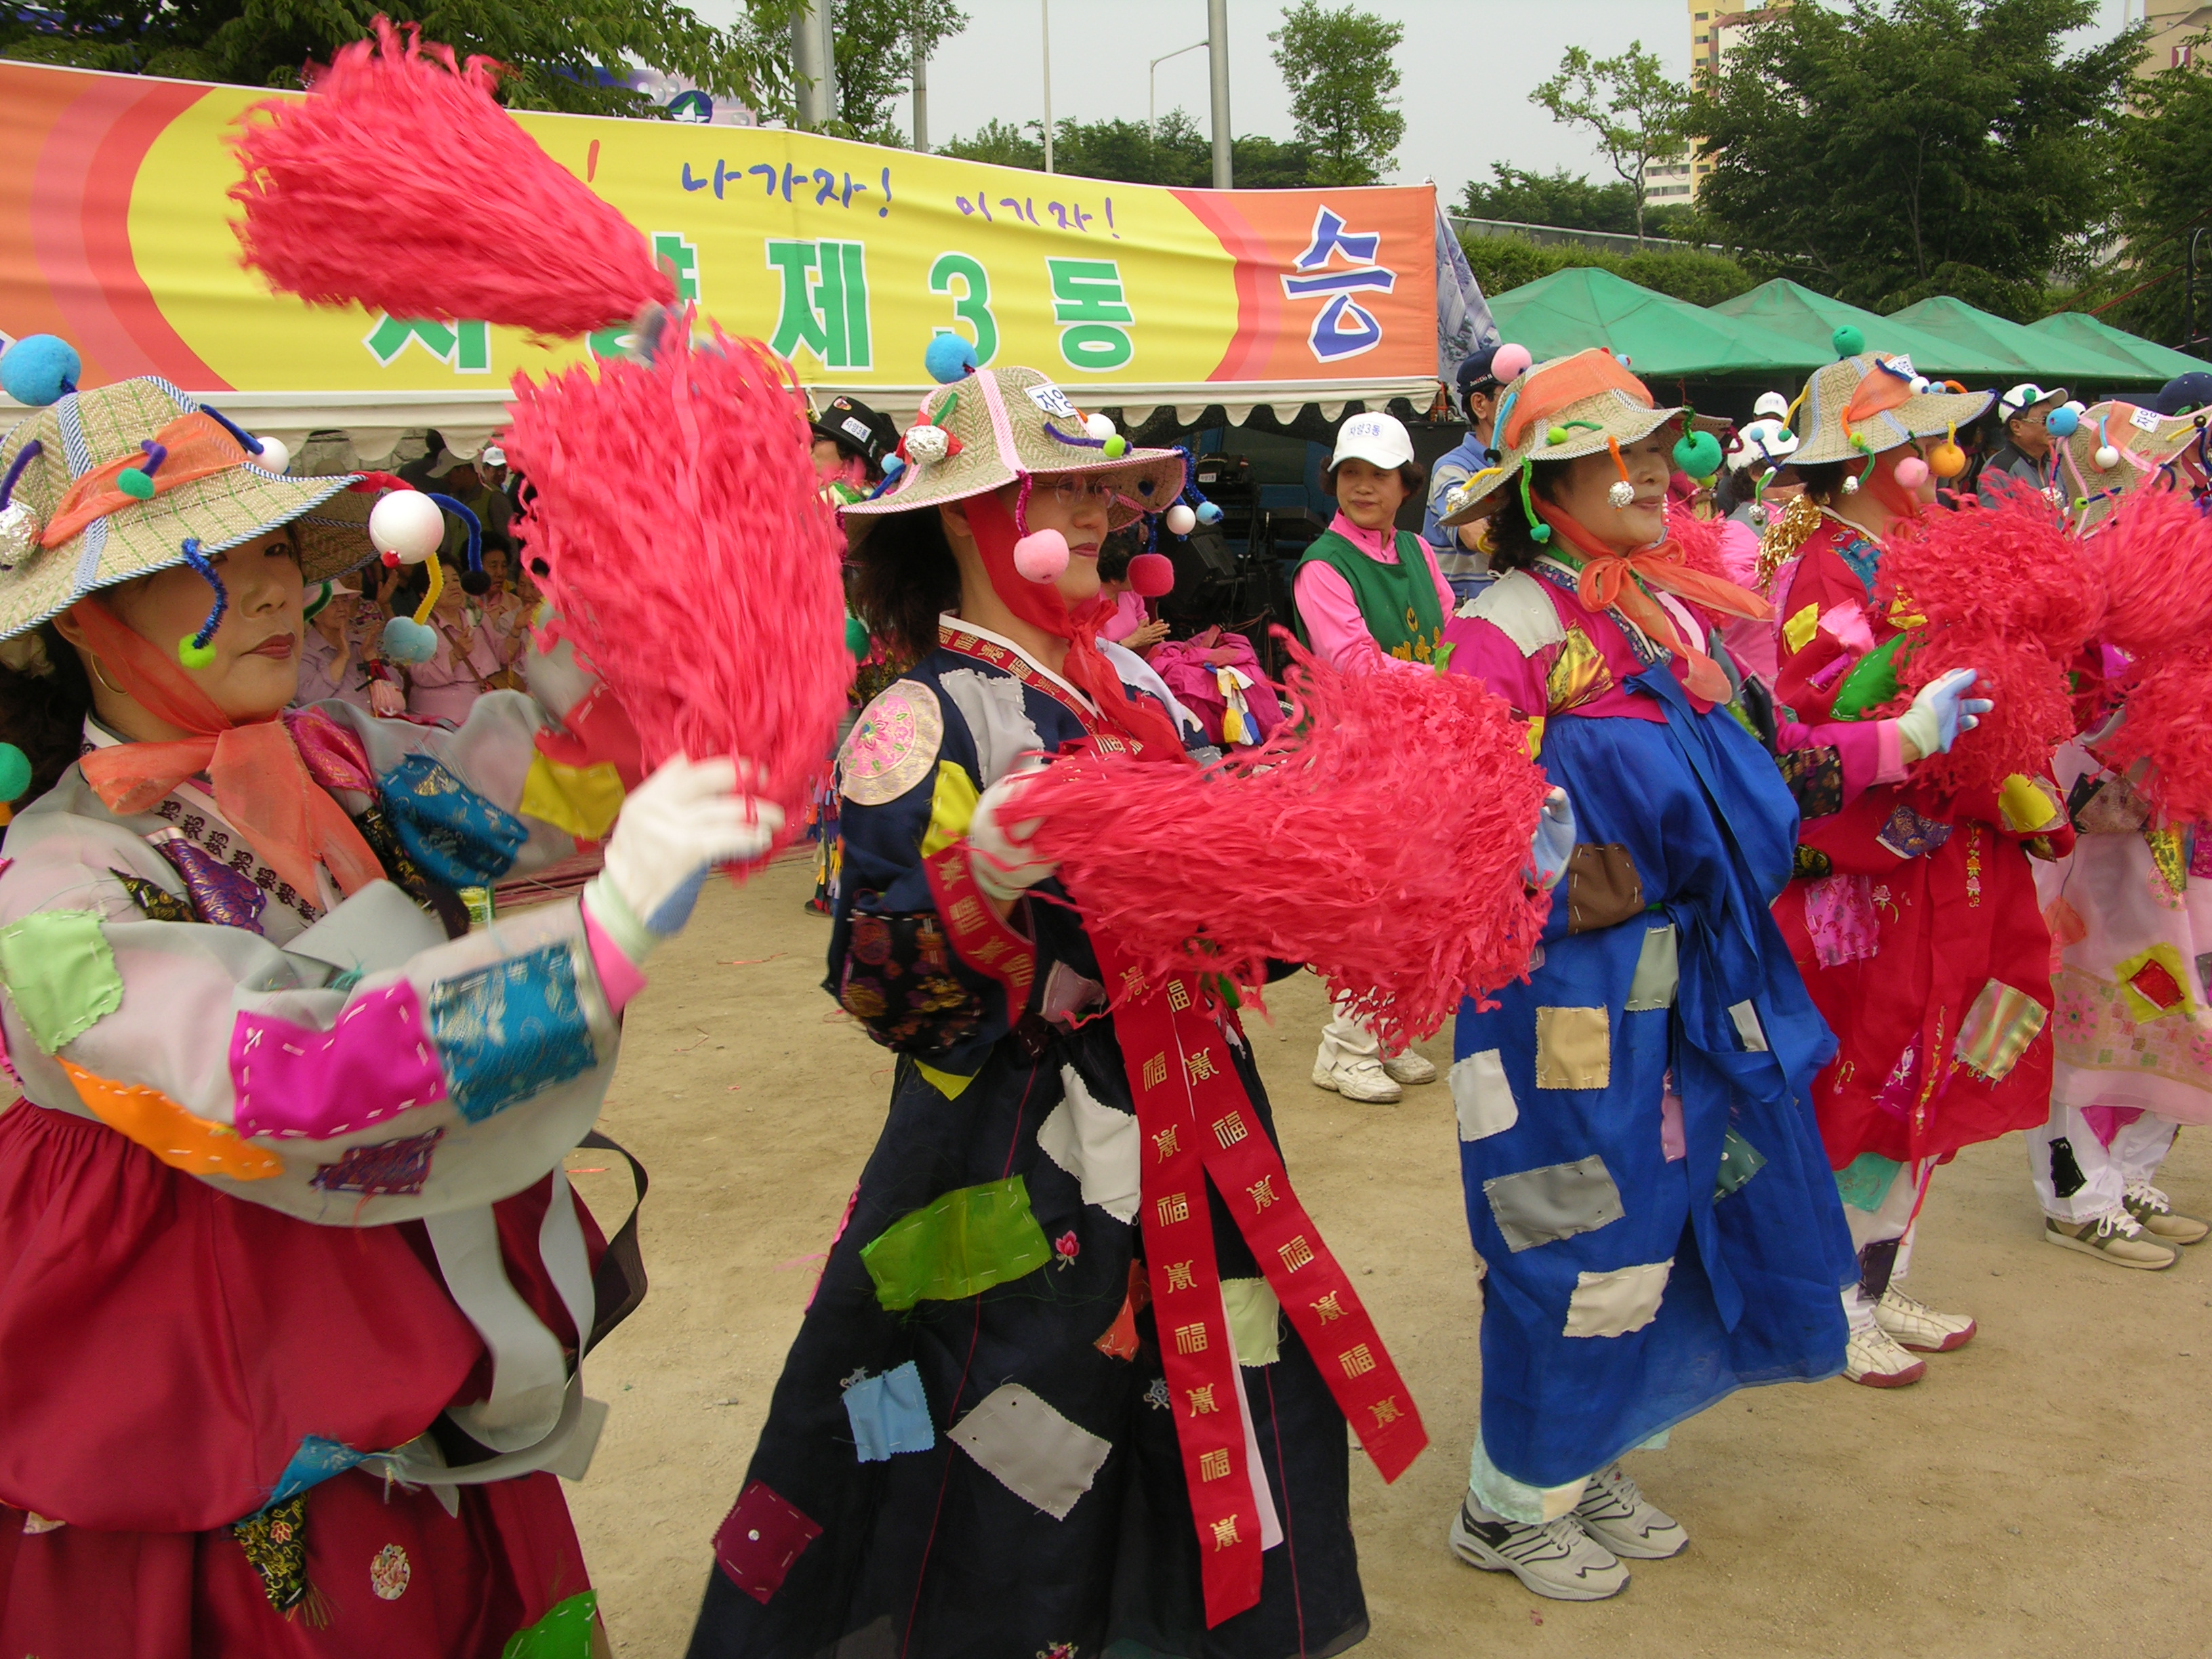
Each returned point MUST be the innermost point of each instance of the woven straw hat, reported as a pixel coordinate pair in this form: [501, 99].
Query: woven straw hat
[1556, 411]
[205, 489]
[1004, 424]
[2151, 440]
[1869, 397]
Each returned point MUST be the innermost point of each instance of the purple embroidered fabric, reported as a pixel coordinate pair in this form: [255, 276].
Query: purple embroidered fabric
[220, 895]
[294, 1083]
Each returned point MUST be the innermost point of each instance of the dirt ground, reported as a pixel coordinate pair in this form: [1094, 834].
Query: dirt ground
[2031, 1498]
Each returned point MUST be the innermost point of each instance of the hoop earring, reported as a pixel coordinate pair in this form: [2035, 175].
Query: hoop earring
[101, 674]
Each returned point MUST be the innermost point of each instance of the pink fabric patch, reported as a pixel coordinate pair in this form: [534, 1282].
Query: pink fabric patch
[296, 1084]
[765, 1532]
[1895, 1095]
[334, 756]
[1840, 920]
[619, 976]
[1672, 1140]
[2105, 1121]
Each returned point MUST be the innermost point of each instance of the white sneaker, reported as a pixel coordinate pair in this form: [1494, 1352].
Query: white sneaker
[2118, 1237]
[1356, 1077]
[1411, 1067]
[1873, 1357]
[1557, 1560]
[1615, 1512]
[1913, 1324]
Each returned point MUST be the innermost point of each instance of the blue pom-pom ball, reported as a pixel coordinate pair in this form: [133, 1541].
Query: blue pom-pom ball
[406, 639]
[14, 773]
[39, 369]
[2063, 420]
[1208, 512]
[949, 358]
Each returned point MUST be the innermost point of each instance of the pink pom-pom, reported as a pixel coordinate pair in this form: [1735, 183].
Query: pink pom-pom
[1042, 555]
[349, 196]
[1911, 472]
[1152, 575]
[1395, 811]
[2155, 557]
[687, 556]
[1509, 363]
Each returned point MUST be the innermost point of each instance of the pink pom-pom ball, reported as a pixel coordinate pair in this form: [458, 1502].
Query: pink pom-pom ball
[1152, 574]
[1042, 555]
[407, 523]
[1510, 363]
[1912, 472]
[1182, 520]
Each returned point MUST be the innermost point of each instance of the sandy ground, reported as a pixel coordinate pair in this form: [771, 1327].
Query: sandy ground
[2039, 1494]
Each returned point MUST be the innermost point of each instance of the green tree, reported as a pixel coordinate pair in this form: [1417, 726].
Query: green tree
[1175, 153]
[1343, 85]
[1635, 111]
[1558, 198]
[875, 41]
[1501, 264]
[570, 57]
[2164, 153]
[1885, 152]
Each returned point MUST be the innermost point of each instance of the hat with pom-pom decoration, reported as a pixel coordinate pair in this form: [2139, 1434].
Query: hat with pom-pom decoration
[1848, 341]
[949, 357]
[1863, 405]
[39, 369]
[1559, 410]
[2114, 449]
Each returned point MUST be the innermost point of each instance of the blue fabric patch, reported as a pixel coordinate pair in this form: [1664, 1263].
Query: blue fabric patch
[316, 1461]
[458, 836]
[510, 1031]
[889, 1413]
[1863, 557]
[1908, 834]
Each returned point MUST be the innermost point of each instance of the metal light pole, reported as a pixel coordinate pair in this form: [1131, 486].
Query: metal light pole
[1152, 83]
[1217, 37]
[1044, 7]
[920, 96]
[809, 66]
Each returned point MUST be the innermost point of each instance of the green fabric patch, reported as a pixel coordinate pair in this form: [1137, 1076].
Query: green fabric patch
[1255, 1321]
[563, 1633]
[1863, 1182]
[958, 1246]
[1739, 1161]
[59, 968]
[1871, 683]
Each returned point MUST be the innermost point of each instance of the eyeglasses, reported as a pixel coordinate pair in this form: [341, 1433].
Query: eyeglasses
[1071, 489]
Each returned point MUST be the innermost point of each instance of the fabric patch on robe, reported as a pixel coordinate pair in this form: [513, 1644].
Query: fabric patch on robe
[2000, 1024]
[892, 745]
[1038, 1455]
[454, 833]
[1840, 920]
[1908, 834]
[1658, 971]
[1095, 1143]
[57, 966]
[511, 1029]
[1538, 1206]
[958, 1246]
[1574, 1048]
[1616, 1303]
[890, 1414]
[1482, 1098]
[763, 1534]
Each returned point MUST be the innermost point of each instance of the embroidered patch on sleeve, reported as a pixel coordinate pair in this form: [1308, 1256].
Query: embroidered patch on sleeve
[1482, 1098]
[293, 1082]
[763, 1534]
[1616, 1303]
[511, 1029]
[59, 968]
[892, 746]
[1038, 1455]
[1540, 1206]
[456, 835]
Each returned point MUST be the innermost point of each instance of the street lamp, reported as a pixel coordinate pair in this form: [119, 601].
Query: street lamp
[1044, 9]
[1152, 82]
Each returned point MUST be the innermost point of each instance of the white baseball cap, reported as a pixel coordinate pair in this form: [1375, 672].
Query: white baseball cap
[494, 456]
[2026, 395]
[1773, 404]
[1379, 439]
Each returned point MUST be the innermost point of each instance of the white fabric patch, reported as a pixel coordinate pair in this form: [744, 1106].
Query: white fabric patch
[1658, 971]
[1516, 605]
[1748, 1028]
[1040, 1457]
[1095, 1143]
[1614, 1303]
[1482, 1098]
[991, 706]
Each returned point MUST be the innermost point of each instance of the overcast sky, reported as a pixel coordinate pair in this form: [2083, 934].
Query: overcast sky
[1468, 68]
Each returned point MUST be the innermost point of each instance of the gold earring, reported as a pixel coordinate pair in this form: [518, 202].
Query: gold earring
[101, 675]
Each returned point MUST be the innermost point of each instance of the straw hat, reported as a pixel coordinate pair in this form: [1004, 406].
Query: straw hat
[2140, 441]
[1556, 411]
[1860, 405]
[997, 426]
[74, 523]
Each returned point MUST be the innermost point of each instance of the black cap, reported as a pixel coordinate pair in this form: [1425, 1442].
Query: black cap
[1474, 370]
[2185, 392]
[857, 430]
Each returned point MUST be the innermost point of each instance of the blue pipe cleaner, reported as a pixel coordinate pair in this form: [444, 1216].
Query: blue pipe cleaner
[476, 530]
[198, 561]
[246, 441]
[24, 456]
[1085, 442]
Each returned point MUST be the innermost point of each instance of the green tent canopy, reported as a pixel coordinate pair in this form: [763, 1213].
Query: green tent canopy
[2081, 329]
[1662, 338]
[1789, 308]
[2044, 358]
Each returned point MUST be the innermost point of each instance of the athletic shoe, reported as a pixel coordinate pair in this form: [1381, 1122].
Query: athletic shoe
[1915, 1325]
[2118, 1238]
[2148, 1205]
[1615, 1512]
[1873, 1357]
[1358, 1078]
[1411, 1067]
[1557, 1560]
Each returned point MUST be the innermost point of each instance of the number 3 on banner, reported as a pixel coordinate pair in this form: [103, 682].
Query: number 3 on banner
[972, 305]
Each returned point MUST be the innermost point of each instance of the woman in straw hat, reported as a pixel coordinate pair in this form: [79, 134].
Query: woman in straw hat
[1644, 1181]
[2134, 918]
[985, 1440]
[1905, 908]
[292, 1282]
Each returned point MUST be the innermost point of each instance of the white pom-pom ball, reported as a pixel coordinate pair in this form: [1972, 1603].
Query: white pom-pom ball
[2107, 458]
[1042, 555]
[273, 456]
[1100, 426]
[1622, 493]
[1851, 483]
[926, 444]
[407, 525]
[1181, 520]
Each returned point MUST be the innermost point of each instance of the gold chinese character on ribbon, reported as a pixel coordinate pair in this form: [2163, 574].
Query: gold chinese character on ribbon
[1178, 995]
[1328, 1308]
[1200, 1066]
[1180, 1276]
[1155, 1069]
[1165, 1144]
[1133, 982]
[1201, 1401]
[1228, 1130]
[1386, 1411]
[1296, 1253]
[1190, 1339]
[968, 914]
[1174, 1207]
[1262, 1192]
[1225, 1534]
[1213, 1465]
[1357, 1362]
[990, 951]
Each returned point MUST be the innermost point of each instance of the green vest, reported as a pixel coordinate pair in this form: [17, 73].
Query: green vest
[1397, 601]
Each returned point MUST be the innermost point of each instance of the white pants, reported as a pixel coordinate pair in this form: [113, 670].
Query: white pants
[1345, 1039]
[1883, 1238]
[2084, 1160]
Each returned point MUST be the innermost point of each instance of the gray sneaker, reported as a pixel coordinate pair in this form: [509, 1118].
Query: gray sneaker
[1616, 1513]
[1557, 1560]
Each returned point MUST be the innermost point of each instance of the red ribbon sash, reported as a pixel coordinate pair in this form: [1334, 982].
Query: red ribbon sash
[974, 930]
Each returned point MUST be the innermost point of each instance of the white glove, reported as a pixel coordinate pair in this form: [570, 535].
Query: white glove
[675, 826]
[1942, 712]
[1553, 843]
[998, 850]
